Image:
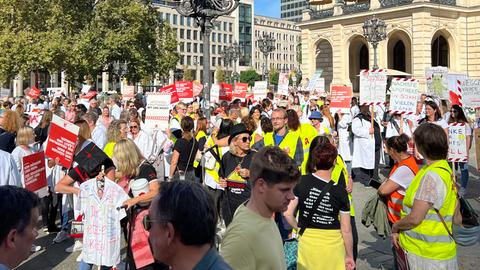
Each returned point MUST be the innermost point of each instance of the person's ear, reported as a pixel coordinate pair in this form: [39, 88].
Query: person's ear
[170, 231]
[261, 185]
[11, 239]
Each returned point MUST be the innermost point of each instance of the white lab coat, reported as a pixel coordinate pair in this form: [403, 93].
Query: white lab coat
[145, 143]
[344, 143]
[363, 144]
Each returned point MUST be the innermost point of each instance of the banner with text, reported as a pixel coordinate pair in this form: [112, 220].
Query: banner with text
[226, 92]
[340, 98]
[404, 95]
[158, 111]
[62, 140]
[471, 93]
[240, 91]
[260, 90]
[283, 84]
[34, 173]
[437, 81]
[215, 93]
[197, 88]
[184, 91]
[373, 86]
[457, 143]
[170, 89]
[317, 84]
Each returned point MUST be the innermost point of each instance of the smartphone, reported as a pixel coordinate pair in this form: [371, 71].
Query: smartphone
[374, 184]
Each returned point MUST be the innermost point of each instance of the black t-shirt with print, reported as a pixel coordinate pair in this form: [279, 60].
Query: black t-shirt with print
[326, 215]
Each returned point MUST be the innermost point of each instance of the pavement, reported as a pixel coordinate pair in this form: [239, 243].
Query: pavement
[374, 252]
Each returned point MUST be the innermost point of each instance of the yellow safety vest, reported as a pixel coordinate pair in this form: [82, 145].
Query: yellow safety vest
[289, 141]
[307, 133]
[174, 139]
[200, 134]
[339, 169]
[430, 238]
[214, 173]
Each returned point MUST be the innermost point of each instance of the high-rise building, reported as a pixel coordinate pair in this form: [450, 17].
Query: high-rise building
[292, 9]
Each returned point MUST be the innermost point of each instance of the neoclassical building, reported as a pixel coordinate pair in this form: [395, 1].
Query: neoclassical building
[420, 33]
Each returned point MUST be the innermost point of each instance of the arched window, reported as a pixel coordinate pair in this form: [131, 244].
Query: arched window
[440, 53]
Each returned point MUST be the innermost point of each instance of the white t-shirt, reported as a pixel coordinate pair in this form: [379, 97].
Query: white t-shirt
[402, 176]
[442, 123]
[432, 190]
[9, 173]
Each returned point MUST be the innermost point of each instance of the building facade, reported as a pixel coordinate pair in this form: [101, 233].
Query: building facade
[292, 9]
[420, 34]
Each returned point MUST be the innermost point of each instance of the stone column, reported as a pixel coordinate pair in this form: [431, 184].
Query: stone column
[338, 55]
[54, 79]
[421, 46]
[374, 4]
[18, 86]
[64, 83]
[32, 79]
[171, 78]
[105, 78]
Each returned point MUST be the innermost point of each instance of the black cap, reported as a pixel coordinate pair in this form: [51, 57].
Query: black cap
[238, 129]
[90, 159]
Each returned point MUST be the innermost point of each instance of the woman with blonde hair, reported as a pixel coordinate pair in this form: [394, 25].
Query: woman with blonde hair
[9, 125]
[116, 131]
[25, 139]
[132, 166]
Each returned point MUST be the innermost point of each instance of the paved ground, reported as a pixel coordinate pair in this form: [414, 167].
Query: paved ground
[374, 252]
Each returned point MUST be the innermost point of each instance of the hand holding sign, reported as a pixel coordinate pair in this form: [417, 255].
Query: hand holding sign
[62, 140]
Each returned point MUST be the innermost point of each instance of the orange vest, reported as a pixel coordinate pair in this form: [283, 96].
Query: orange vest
[395, 199]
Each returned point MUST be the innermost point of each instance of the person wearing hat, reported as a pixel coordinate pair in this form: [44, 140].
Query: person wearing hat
[235, 171]
[311, 107]
[317, 122]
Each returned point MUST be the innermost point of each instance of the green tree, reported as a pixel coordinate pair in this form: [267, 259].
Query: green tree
[273, 75]
[250, 76]
[187, 73]
[220, 74]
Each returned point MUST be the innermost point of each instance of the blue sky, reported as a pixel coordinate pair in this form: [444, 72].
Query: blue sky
[269, 8]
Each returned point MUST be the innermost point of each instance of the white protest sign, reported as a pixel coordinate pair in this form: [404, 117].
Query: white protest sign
[373, 85]
[55, 91]
[4, 92]
[260, 90]
[437, 81]
[457, 143]
[403, 95]
[283, 84]
[158, 111]
[471, 93]
[215, 93]
[317, 84]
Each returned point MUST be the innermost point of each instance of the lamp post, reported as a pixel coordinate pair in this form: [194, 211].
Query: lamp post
[266, 45]
[205, 12]
[196, 62]
[374, 30]
[227, 58]
[232, 53]
[119, 68]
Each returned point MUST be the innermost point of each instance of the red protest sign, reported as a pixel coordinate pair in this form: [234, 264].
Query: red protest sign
[62, 140]
[34, 92]
[341, 96]
[170, 89]
[184, 90]
[90, 95]
[240, 90]
[34, 173]
[226, 92]
[197, 88]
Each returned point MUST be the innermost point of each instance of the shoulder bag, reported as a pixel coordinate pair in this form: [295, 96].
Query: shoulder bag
[291, 245]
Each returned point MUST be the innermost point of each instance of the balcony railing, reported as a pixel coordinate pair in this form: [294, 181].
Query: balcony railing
[357, 7]
[320, 14]
[445, 2]
[394, 3]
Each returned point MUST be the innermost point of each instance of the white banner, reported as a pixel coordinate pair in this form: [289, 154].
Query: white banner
[457, 142]
[316, 84]
[283, 84]
[373, 85]
[157, 111]
[260, 90]
[437, 81]
[471, 93]
[404, 95]
[215, 93]
[4, 92]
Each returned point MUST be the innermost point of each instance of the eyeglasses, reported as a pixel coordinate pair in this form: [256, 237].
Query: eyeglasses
[327, 104]
[147, 222]
[132, 127]
[278, 118]
[246, 139]
[453, 111]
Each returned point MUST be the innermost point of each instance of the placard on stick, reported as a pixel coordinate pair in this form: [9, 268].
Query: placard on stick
[457, 143]
[403, 95]
[61, 142]
[340, 98]
[437, 81]
[34, 174]
[158, 111]
[260, 90]
[373, 85]
[471, 93]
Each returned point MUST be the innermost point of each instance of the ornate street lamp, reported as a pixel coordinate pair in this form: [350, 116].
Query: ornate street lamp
[374, 30]
[205, 12]
[120, 69]
[232, 53]
[266, 45]
[227, 58]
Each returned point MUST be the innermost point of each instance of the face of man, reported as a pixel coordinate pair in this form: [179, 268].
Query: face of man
[161, 235]
[21, 242]
[279, 120]
[93, 103]
[278, 196]
[181, 110]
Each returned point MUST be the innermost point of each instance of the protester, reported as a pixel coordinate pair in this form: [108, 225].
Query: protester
[252, 240]
[24, 141]
[115, 110]
[140, 137]
[306, 132]
[201, 137]
[9, 125]
[9, 173]
[116, 131]
[18, 231]
[177, 237]
[344, 126]
[434, 115]
[105, 118]
[318, 122]
[41, 131]
[184, 150]
[431, 194]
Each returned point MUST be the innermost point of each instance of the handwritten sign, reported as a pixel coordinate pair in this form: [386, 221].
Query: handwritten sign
[240, 91]
[170, 89]
[158, 111]
[437, 81]
[260, 90]
[215, 93]
[184, 91]
[34, 173]
[457, 143]
[340, 98]
[283, 84]
[62, 140]
[373, 85]
[34, 117]
[471, 93]
[404, 95]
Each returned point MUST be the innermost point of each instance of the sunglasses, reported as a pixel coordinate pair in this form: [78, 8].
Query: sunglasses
[453, 111]
[327, 104]
[147, 222]
[132, 127]
[246, 139]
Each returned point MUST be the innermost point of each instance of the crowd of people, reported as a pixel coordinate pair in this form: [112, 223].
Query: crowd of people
[227, 190]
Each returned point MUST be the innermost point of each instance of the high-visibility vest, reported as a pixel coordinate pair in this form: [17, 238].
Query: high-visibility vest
[430, 238]
[214, 172]
[395, 199]
[340, 169]
[200, 134]
[175, 118]
[307, 133]
[289, 141]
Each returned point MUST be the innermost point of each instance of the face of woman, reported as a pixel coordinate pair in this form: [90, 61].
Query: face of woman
[134, 128]
[256, 115]
[243, 141]
[189, 109]
[133, 116]
[105, 112]
[429, 111]
[123, 131]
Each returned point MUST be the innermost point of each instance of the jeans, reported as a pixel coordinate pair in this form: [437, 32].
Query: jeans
[349, 167]
[464, 173]
[87, 266]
